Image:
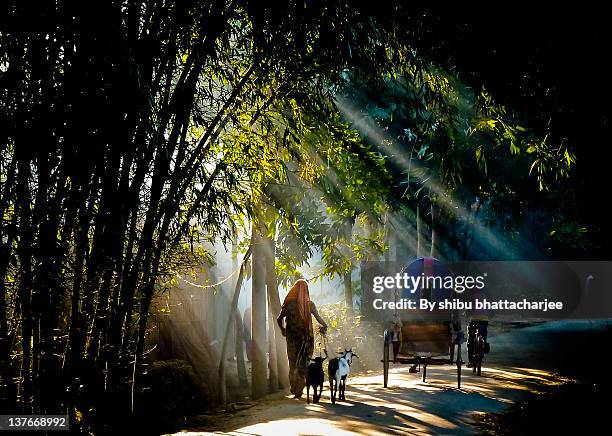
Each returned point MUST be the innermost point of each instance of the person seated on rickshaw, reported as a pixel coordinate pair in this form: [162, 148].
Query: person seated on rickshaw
[478, 322]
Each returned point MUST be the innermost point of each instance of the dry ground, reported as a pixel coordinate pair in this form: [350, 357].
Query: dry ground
[522, 361]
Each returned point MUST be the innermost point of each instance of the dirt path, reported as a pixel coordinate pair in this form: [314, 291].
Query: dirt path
[409, 405]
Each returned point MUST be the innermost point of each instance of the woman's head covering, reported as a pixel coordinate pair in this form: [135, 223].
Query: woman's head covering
[299, 292]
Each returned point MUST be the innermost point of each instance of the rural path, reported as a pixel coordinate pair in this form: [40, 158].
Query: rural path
[522, 360]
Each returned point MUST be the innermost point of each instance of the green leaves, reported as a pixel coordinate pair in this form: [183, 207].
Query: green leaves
[550, 163]
[332, 180]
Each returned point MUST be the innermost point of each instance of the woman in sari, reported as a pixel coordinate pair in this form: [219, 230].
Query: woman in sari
[297, 328]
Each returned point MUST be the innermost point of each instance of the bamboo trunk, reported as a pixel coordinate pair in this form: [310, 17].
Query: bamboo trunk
[418, 231]
[348, 292]
[240, 364]
[24, 250]
[239, 328]
[432, 252]
[282, 362]
[259, 383]
[273, 358]
[232, 314]
[8, 391]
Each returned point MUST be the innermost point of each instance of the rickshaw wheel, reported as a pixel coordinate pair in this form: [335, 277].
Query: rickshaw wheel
[386, 363]
[459, 366]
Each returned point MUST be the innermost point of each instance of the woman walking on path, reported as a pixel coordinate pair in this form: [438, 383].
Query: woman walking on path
[297, 328]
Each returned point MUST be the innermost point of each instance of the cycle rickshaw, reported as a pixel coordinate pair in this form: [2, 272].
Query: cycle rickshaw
[427, 337]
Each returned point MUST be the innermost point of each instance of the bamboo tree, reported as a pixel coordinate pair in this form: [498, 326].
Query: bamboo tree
[259, 375]
[280, 346]
[418, 231]
[238, 327]
[432, 250]
[240, 363]
[231, 318]
[273, 370]
[24, 253]
[8, 391]
[348, 292]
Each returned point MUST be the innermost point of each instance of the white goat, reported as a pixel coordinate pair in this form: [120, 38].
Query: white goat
[338, 370]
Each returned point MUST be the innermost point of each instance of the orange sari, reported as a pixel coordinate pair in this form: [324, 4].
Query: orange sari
[296, 310]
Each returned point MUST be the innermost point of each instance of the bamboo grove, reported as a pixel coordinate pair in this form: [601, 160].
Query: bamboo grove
[117, 153]
[132, 132]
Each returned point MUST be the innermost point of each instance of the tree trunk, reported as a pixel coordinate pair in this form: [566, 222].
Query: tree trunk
[365, 306]
[432, 252]
[348, 292]
[273, 358]
[24, 251]
[387, 239]
[240, 364]
[418, 231]
[8, 391]
[259, 382]
[232, 314]
[239, 328]
[282, 362]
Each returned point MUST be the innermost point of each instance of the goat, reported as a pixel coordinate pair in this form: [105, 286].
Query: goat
[315, 378]
[338, 371]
